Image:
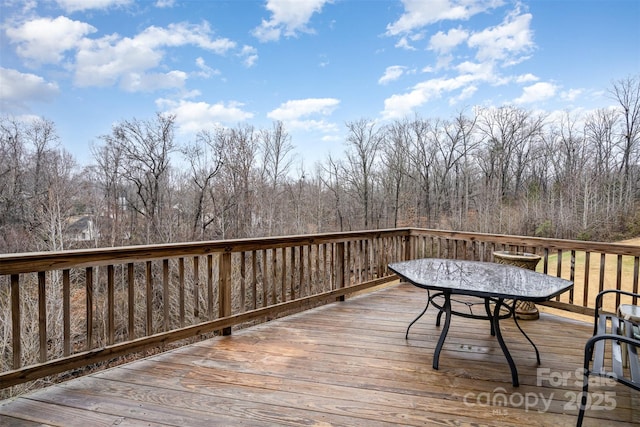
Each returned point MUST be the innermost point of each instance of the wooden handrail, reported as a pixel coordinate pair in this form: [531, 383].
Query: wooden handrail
[77, 308]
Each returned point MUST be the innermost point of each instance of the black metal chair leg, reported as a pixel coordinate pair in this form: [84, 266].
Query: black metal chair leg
[585, 388]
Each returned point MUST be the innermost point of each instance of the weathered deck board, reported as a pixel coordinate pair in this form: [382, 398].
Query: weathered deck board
[344, 364]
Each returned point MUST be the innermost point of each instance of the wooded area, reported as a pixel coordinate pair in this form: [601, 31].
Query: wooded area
[498, 170]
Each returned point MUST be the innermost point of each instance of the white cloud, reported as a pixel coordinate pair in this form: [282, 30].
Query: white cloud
[165, 3]
[392, 73]
[250, 55]
[399, 106]
[288, 17]
[184, 34]
[504, 42]
[205, 70]
[295, 109]
[18, 89]
[445, 42]
[527, 78]
[403, 43]
[481, 71]
[571, 94]
[45, 40]
[420, 13]
[149, 82]
[537, 92]
[80, 5]
[465, 94]
[313, 125]
[110, 59]
[192, 117]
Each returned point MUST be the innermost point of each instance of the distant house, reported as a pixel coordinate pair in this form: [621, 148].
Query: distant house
[81, 228]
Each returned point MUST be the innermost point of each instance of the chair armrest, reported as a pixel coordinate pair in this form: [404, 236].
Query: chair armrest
[600, 297]
[601, 294]
[615, 337]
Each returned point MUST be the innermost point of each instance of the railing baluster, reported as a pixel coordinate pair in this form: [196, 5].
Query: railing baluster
[254, 278]
[311, 287]
[66, 312]
[210, 286]
[360, 255]
[367, 260]
[587, 274]
[602, 267]
[16, 329]
[545, 268]
[131, 303]
[636, 267]
[181, 301]
[42, 315]
[165, 293]
[110, 305]
[224, 284]
[618, 278]
[89, 307]
[301, 284]
[572, 274]
[283, 272]
[196, 288]
[149, 295]
[265, 278]
[243, 280]
[274, 275]
[316, 273]
[559, 263]
[348, 254]
[340, 266]
[292, 255]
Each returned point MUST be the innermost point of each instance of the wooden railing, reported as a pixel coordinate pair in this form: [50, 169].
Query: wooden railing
[61, 311]
[67, 310]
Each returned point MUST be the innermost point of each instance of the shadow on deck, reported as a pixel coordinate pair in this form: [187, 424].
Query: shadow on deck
[345, 364]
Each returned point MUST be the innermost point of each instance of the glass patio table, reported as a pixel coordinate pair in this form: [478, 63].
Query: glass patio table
[499, 285]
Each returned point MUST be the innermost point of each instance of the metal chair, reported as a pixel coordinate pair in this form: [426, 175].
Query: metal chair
[618, 333]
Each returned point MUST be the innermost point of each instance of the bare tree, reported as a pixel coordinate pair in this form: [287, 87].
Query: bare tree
[205, 159]
[109, 174]
[146, 147]
[277, 160]
[394, 159]
[363, 144]
[236, 186]
[422, 155]
[332, 180]
[627, 93]
[13, 168]
[37, 189]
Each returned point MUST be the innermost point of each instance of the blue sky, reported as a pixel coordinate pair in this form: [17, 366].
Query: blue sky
[313, 64]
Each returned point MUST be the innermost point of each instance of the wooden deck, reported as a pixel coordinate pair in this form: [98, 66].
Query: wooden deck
[344, 364]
